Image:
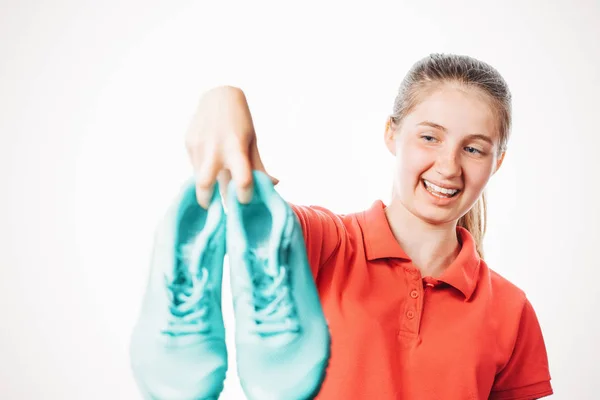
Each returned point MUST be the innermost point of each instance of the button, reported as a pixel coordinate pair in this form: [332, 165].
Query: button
[430, 281]
[414, 294]
[410, 314]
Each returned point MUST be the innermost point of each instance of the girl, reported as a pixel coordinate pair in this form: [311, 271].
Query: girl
[413, 309]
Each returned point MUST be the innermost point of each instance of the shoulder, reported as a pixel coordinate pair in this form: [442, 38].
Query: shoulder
[511, 309]
[500, 288]
[506, 304]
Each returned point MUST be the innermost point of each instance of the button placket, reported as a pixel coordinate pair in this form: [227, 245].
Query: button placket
[410, 319]
[414, 308]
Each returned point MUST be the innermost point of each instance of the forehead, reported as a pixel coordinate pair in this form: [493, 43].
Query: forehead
[461, 112]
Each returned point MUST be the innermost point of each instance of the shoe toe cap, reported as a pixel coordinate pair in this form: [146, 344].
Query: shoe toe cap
[206, 387]
[184, 373]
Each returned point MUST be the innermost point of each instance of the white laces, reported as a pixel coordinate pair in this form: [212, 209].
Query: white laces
[189, 295]
[274, 307]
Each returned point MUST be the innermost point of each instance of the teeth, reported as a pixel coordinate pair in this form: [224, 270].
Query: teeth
[448, 192]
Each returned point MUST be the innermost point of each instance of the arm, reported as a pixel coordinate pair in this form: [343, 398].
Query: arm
[222, 145]
[323, 233]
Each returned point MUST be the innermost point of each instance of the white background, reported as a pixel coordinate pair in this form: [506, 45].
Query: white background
[95, 98]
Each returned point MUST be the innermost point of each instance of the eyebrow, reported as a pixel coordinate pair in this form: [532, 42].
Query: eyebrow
[472, 136]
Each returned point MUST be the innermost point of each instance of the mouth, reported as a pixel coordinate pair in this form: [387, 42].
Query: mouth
[439, 192]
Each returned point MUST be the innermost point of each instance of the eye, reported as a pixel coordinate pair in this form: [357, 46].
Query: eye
[427, 136]
[476, 150]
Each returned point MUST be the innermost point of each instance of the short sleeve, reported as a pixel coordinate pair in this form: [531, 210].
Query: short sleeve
[526, 375]
[322, 230]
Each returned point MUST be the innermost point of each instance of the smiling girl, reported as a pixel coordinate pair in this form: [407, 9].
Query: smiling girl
[414, 310]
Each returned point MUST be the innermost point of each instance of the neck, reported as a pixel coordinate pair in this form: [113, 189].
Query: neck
[432, 248]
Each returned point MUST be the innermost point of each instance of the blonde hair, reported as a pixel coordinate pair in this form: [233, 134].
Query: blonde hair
[428, 74]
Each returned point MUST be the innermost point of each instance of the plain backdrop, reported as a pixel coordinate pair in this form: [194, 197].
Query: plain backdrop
[95, 98]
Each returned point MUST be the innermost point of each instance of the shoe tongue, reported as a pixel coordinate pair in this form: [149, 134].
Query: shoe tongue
[190, 255]
[265, 254]
[272, 268]
[194, 227]
[268, 250]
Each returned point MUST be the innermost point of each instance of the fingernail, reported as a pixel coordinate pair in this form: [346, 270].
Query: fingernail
[245, 195]
[204, 197]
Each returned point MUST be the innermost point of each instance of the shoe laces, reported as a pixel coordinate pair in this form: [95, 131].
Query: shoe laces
[189, 292]
[274, 308]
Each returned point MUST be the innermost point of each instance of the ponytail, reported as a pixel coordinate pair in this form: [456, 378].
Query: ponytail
[475, 221]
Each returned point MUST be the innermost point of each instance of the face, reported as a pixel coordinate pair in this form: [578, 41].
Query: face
[450, 140]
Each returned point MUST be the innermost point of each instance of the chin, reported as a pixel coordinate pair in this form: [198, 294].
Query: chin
[433, 214]
[433, 219]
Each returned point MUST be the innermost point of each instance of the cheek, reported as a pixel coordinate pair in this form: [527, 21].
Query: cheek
[410, 166]
[411, 162]
[477, 178]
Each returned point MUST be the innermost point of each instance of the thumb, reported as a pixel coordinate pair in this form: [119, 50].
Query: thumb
[257, 163]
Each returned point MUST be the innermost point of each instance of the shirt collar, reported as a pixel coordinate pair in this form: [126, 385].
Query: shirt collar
[380, 242]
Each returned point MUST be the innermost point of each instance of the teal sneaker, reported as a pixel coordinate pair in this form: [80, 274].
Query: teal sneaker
[282, 338]
[178, 344]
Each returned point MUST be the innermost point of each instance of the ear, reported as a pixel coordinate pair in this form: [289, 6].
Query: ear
[389, 137]
[499, 162]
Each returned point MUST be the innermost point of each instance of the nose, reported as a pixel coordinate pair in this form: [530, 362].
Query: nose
[448, 164]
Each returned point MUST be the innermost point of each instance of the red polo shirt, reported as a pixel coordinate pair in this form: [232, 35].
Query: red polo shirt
[470, 334]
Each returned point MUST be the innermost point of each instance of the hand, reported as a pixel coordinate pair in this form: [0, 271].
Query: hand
[222, 145]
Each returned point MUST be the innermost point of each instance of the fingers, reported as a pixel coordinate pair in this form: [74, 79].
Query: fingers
[241, 173]
[274, 180]
[205, 175]
[239, 161]
[257, 163]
